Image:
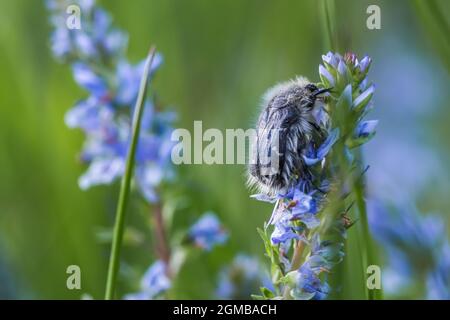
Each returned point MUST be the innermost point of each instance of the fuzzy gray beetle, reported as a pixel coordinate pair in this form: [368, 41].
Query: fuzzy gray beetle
[292, 117]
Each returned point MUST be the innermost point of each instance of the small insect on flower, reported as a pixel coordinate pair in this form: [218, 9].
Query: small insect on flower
[293, 118]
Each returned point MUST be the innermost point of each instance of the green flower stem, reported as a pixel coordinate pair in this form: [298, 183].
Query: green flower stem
[119, 225]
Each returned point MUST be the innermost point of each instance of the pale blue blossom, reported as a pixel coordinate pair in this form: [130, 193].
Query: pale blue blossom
[208, 232]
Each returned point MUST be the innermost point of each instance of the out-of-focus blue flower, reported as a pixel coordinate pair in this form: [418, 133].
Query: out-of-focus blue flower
[88, 79]
[415, 244]
[207, 232]
[406, 229]
[154, 283]
[95, 38]
[243, 277]
[90, 114]
[99, 65]
[129, 77]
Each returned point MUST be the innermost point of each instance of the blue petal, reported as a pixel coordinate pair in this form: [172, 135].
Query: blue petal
[263, 197]
[85, 44]
[102, 171]
[364, 96]
[364, 64]
[326, 74]
[328, 143]
[89, 80]
[342, 68]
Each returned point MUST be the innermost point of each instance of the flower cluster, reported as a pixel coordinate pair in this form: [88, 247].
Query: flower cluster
[96, 52]
[416, 247]
[295, 246]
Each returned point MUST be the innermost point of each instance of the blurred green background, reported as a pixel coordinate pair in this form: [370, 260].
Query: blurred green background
[220, 56]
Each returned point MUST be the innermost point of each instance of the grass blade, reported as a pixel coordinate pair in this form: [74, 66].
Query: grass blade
[119, 225]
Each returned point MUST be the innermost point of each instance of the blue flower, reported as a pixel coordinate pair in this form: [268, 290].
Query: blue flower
[415, 244]
[405, 229]
[301, 207]
[366, 128]
[305, 203]
[207, 232]
[284, 231]
[332, 59]
[129, 77]
[305, 209]
[90, 114]
[154, 283]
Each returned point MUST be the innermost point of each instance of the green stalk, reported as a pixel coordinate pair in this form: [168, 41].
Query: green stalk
[327, 10]
[370, 257]
[434, 20]
[119, 225]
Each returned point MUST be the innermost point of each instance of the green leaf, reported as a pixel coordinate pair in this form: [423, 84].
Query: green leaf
[267, 293]
[266, 241]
